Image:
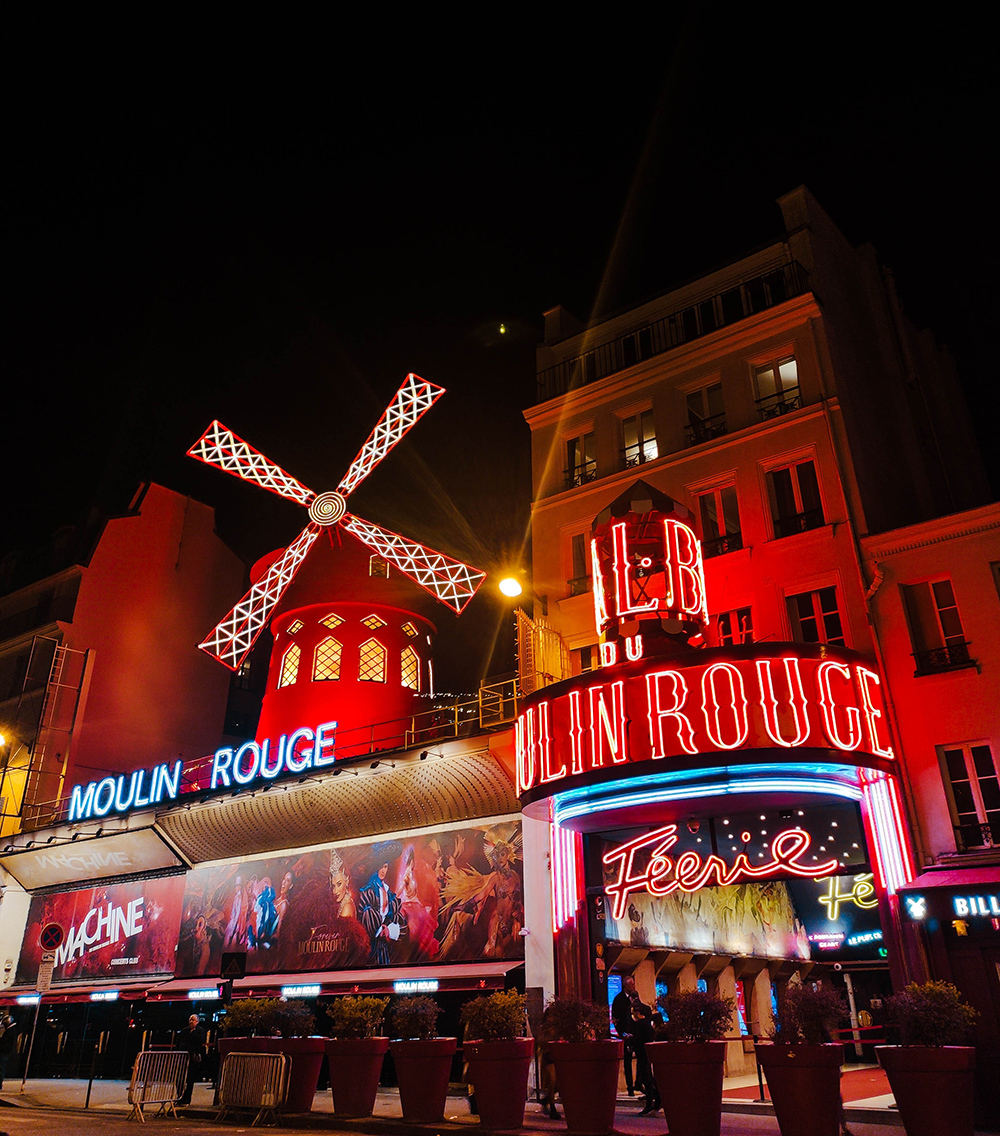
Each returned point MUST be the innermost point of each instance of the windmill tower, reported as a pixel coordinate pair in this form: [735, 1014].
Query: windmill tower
[347, 600]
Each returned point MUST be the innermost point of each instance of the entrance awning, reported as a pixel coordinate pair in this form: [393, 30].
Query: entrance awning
[83, 992]
[472, 976]
[954, 877]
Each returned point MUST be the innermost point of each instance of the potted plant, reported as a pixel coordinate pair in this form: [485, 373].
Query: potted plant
[423, 1060]
[802, 1062]
[273, 1025]
[577, 1033]
[931, 1073]
[688, 1059]
[499, 1057]
[355, 1053]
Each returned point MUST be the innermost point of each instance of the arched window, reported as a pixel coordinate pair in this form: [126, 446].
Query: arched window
[371, 661]
[290, 666]
[326, 664]
[410, 668]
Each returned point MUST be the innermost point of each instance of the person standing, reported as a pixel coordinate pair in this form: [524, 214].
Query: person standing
[621, 1015]
[8, 1043]
[193, 1040]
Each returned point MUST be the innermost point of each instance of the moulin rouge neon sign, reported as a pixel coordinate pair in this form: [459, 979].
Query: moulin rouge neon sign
[689, 872]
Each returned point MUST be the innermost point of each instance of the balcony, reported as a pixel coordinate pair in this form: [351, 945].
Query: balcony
[798, 522]
[705, 429]
[746, 299]
[638, 454]
[782, 402]
[580, 586]
[975, 834]
[728, 542]
[578, 475]
[937, 660]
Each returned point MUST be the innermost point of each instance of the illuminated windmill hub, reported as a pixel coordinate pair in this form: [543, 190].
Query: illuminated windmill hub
[327, 508]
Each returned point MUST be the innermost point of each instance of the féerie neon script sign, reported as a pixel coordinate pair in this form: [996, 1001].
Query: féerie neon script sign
[690, 872]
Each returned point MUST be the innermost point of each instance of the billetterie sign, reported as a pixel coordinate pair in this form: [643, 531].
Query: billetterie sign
[291, 754]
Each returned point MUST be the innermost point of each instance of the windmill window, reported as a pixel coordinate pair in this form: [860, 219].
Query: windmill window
[410, 668]
[371, 662]
[295, 625]
[332, 621]
[378, 566]
[372, 622]
[326, 664]
[410, 631]
[290, 665]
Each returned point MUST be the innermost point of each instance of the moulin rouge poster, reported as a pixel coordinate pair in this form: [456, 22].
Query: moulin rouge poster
[443, 897]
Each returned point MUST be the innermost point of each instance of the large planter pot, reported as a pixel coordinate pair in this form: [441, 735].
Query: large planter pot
[423, 1069]
[306, 1054]
[804, 1083]
[587, 1080]
[498, 1071]
[689, 1078]
[355, 1068]
[932, 1087]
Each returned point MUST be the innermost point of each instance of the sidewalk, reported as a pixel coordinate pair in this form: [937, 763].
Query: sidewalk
[867, 1112]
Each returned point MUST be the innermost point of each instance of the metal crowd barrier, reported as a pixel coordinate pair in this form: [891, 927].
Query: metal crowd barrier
[158, 1077]
[253, 1081]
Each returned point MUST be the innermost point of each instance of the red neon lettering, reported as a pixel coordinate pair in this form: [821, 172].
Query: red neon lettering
[865, 679]
[686, 574]
[796, 701]
[600, 601]
[690, 873]
[524, 749]
[575, 732]
[544, 741]
[829, 707]
[623, 577]
[657, 710]
[606, 734]
[609, 653]
[735, 701]
[633, 648]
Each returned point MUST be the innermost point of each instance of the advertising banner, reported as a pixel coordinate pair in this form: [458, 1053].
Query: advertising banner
[453, 896]
[111, 931]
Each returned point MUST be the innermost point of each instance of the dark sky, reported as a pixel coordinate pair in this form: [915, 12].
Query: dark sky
[272, 224]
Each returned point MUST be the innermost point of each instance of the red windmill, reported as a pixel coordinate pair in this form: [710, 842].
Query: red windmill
[449, 581]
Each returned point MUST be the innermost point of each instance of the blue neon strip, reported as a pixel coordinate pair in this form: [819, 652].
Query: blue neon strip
[681, 785]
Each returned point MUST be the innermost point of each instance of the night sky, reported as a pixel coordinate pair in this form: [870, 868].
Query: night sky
[271, 224]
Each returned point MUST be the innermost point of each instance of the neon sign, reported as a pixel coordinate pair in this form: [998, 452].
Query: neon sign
[145, 788]
[965, 905]
[292, 754]
[862, 894]
[706, 702]
[689, 872]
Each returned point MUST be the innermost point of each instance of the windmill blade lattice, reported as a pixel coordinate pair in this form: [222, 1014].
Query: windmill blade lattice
[448, 580]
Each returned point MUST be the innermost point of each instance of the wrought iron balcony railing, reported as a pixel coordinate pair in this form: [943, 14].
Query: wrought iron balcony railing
[580, 474]
[728, 542]
[798, 522]
[976, 834]
[706, 429]
[580, 586]
[774, 405]
[638, 454]
[745, 299]
[939, 659]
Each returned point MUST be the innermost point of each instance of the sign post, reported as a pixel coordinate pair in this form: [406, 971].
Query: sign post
[50, 938]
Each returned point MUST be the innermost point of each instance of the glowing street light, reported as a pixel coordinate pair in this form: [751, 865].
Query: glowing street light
[510, 587]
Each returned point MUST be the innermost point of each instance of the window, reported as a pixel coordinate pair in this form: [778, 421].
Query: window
[777, 387]
[640, 439]
[731, 628]
[295, 625]
[373, 622]
[720, 521]
[706, 414]
[936, 632]
[371, 662]
[378, 566]
[795, 503]
[815, 617]
[581, 463]
[579, 583]
[970, 776]
[326, 663]
[290, 666]
[410, 668]
[332, 621]
[410, 631]
[586, 659]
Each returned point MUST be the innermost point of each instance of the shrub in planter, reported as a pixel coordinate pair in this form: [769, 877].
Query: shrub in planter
[423, 1060]
[688, 1060]
[355, 1053]
[802, 1063]
[577, 1033]
[499, 1057]
[931, 1073]
[272, 1025]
